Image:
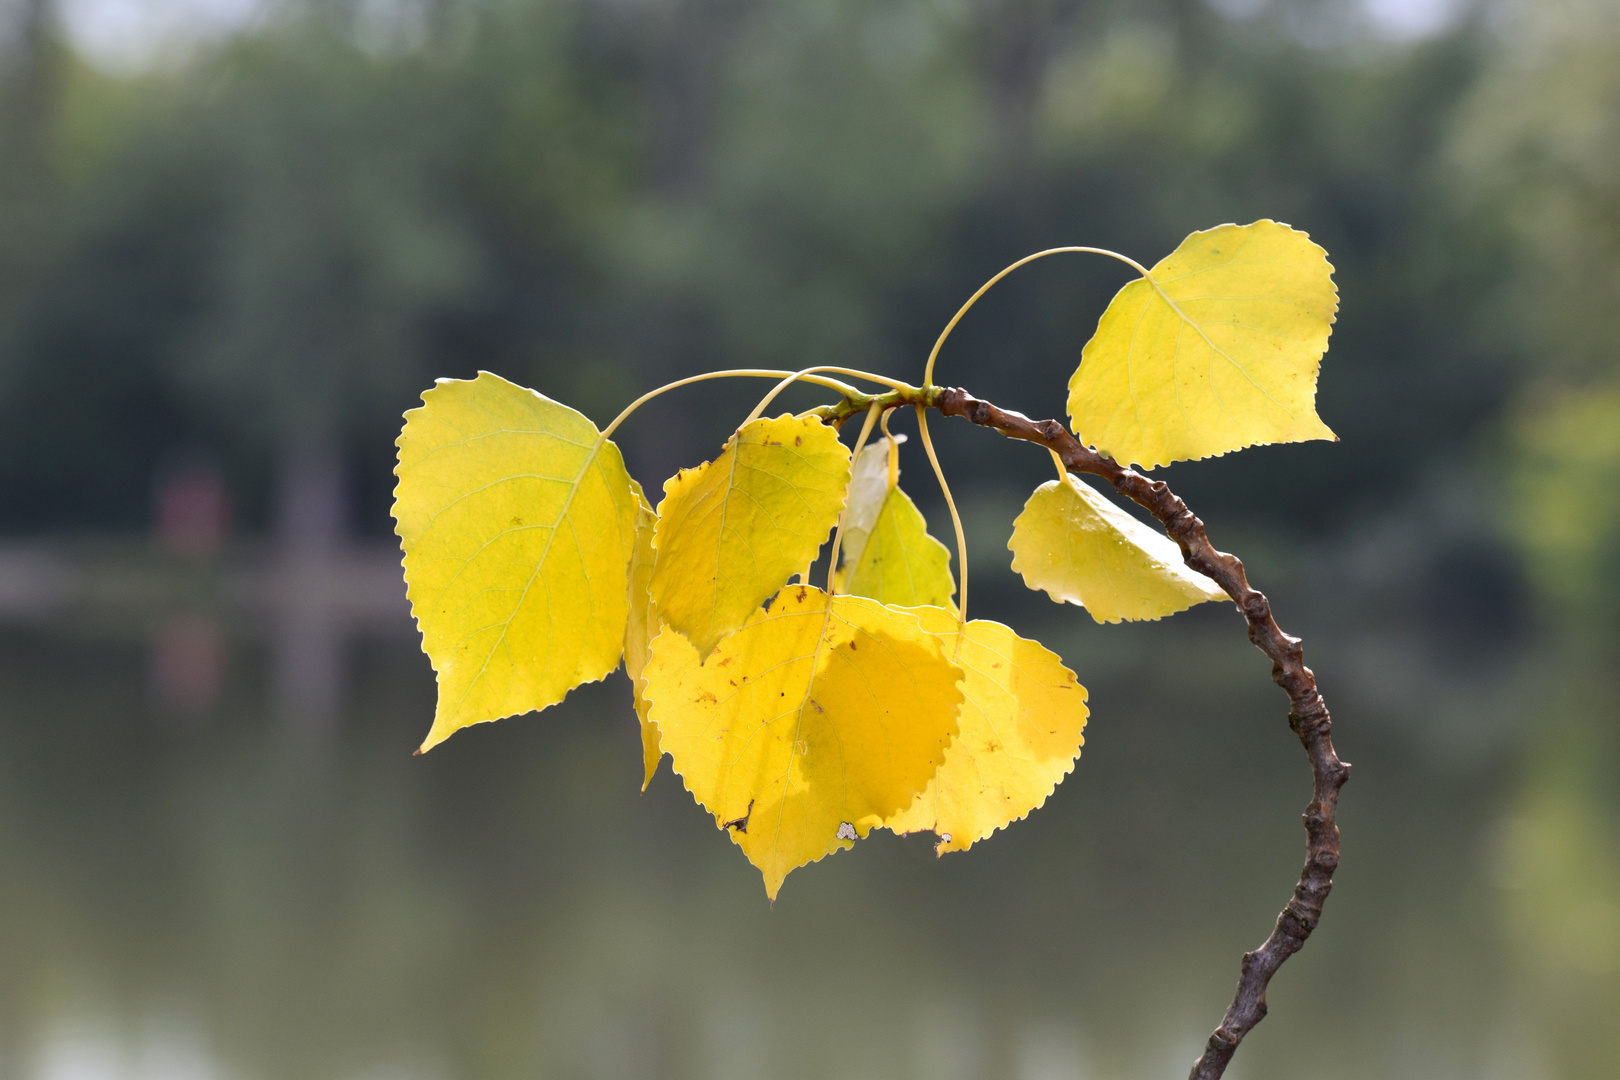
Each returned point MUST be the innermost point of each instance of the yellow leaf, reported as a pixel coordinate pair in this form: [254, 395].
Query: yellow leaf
[1019, 732]
[888, 554]
[732, 531]
[639, 631]
[517, 527]
[1081, 548]
[1216, 349]
[808, 727]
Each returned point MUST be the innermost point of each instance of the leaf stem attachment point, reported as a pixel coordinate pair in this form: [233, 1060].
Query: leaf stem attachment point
[808, 375]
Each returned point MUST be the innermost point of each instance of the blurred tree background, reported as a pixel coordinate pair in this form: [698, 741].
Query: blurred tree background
[249, 236]
[276, 242]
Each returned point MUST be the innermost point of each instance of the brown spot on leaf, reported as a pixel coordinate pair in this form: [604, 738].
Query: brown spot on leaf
[741, 824]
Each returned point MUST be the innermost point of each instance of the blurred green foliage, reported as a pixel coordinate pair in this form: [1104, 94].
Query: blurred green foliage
[286, 237]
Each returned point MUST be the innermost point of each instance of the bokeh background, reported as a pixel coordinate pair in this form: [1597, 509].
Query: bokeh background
[239, 237]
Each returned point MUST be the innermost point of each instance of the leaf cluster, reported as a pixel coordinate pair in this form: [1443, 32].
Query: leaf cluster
[801, 717]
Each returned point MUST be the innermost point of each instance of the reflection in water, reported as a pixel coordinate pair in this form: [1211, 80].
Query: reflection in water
[310, 629]
[99, 1051]
[188, 664]
[249, 898]
[1557, 863]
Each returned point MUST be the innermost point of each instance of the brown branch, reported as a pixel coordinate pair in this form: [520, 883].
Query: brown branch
[1308, 714]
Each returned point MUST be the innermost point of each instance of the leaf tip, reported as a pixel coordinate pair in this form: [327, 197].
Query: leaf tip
[772, 888]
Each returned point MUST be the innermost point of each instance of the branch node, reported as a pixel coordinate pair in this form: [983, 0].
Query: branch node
[1297, 921]
[1309, 716]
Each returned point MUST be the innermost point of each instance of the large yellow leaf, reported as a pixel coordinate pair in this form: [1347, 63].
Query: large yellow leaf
[1216, 349]
[639, 631]
[810, 726]
[888, 554]
[1019, 732]
[730, 532]
[1081, 548]
[517, 526]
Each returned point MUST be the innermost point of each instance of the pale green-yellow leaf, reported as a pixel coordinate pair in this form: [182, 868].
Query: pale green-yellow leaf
[1081, 548]
[517, 523]
[868, 486]
[1019, 732]
[733, 530]
[810, 726]
[1216, 349]
[888, 554]
[639, 631]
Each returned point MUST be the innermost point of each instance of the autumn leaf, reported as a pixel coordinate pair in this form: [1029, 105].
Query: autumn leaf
[640, 629]
[1216, 349]
[810, 726]
[888, 554]
[1081, 548]
[517, 522]
[1019, 733]
[732, 531]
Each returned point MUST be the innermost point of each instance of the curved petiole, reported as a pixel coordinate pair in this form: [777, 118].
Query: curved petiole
[956, 520]
[894, 451]
[1062, 469]
[928, 369]
[755, 373]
